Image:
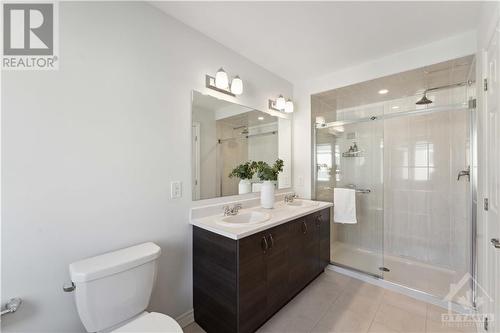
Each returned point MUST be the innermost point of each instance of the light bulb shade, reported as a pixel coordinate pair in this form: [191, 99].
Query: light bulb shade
[289, 106]
[280, 103]
[237, 86]
[221, 79]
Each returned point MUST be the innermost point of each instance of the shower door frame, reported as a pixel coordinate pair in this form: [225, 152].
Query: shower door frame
[470, 106]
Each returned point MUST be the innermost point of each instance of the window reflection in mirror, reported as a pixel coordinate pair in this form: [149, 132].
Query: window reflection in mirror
[225, 135]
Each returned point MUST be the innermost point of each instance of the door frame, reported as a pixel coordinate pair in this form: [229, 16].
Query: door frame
[195, 181]
[488, 217]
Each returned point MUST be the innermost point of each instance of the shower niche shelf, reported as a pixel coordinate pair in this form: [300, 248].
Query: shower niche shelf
[353, 151]
[358, 153]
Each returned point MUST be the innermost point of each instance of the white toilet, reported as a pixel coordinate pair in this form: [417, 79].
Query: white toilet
[113, 290]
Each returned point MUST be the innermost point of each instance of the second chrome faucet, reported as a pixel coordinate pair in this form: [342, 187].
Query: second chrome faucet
[228, 211]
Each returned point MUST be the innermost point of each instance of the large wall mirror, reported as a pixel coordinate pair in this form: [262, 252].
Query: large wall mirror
[226, 135]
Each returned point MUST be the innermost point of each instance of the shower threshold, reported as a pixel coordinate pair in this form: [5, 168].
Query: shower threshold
[413, 275]
[410, 292]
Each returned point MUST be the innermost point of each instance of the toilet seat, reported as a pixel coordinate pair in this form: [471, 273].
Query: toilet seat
[152, 322]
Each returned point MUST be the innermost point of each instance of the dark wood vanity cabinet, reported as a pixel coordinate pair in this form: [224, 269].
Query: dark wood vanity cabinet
[239, 284]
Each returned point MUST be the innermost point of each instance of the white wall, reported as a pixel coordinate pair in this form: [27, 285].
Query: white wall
[88, 153]
[490, 17]
[453, 47]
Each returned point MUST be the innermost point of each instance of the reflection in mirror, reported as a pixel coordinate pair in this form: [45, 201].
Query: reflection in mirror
[227, 135]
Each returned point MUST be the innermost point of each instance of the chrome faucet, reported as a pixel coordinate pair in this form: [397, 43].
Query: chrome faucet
[232, 210]
[290, 197]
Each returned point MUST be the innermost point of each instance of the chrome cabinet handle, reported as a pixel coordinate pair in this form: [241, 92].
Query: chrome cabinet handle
[264, 244]
[495, 242]
[272, 241]
[319, 220]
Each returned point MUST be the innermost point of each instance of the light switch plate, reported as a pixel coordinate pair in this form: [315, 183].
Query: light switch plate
[175, 189]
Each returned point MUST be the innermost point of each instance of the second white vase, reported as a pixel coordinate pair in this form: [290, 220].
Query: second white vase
[244, 186]
[267, 194]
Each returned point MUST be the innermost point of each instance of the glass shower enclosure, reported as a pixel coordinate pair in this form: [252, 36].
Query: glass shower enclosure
[409, 167]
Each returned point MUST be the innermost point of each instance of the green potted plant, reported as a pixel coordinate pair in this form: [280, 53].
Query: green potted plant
[245, 173]
[269, 175]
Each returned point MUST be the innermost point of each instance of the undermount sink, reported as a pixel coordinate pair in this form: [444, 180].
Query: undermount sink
[244, 219]
[302, 203]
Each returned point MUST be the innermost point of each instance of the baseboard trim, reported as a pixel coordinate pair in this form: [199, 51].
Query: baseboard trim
[186, 318]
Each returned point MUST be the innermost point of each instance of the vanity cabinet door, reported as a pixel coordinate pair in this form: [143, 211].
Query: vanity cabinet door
[252, 300]
[297, 260]
[277, 268]
[311, 247]
[324, 238]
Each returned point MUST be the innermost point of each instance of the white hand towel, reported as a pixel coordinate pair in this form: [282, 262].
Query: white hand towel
[344, 209]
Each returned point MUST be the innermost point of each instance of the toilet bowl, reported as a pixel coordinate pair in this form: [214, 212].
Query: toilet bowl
[149, 323]
[112, 291]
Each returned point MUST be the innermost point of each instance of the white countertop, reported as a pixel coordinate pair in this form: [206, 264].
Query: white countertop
[282, 213]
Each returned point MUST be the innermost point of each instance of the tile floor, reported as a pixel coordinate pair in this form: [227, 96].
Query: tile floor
[338, 303]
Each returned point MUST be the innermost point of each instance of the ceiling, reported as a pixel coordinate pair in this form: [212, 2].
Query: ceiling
[399, 85]
[404, 84]
[249, 119]
[303, 40]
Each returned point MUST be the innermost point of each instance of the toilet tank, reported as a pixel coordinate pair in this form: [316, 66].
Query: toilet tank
[116, 286]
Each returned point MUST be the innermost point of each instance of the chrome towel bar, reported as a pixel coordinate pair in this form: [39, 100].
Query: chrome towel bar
[12, 305]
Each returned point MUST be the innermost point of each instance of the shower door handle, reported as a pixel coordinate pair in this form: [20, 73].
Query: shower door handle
[464, 173]
[496, 243]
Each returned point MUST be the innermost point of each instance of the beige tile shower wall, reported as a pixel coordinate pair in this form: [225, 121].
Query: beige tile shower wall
[233, 150]
[263, 147]
[426, 208]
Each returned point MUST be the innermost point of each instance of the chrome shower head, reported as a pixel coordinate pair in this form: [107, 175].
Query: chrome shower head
[424, 100]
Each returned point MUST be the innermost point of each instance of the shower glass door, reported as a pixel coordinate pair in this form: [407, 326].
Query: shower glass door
[427, 207]
[349, 154]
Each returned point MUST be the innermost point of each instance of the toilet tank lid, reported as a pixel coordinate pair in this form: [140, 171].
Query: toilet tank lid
[113, 262]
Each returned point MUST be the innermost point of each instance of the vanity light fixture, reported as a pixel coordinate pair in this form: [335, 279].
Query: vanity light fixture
[281, 104]
[289, 106]
[221, 79]
[237, 85]
[221, 83]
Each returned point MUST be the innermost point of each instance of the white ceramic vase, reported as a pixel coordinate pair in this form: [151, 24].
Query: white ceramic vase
[267, 194]
[244, 186]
